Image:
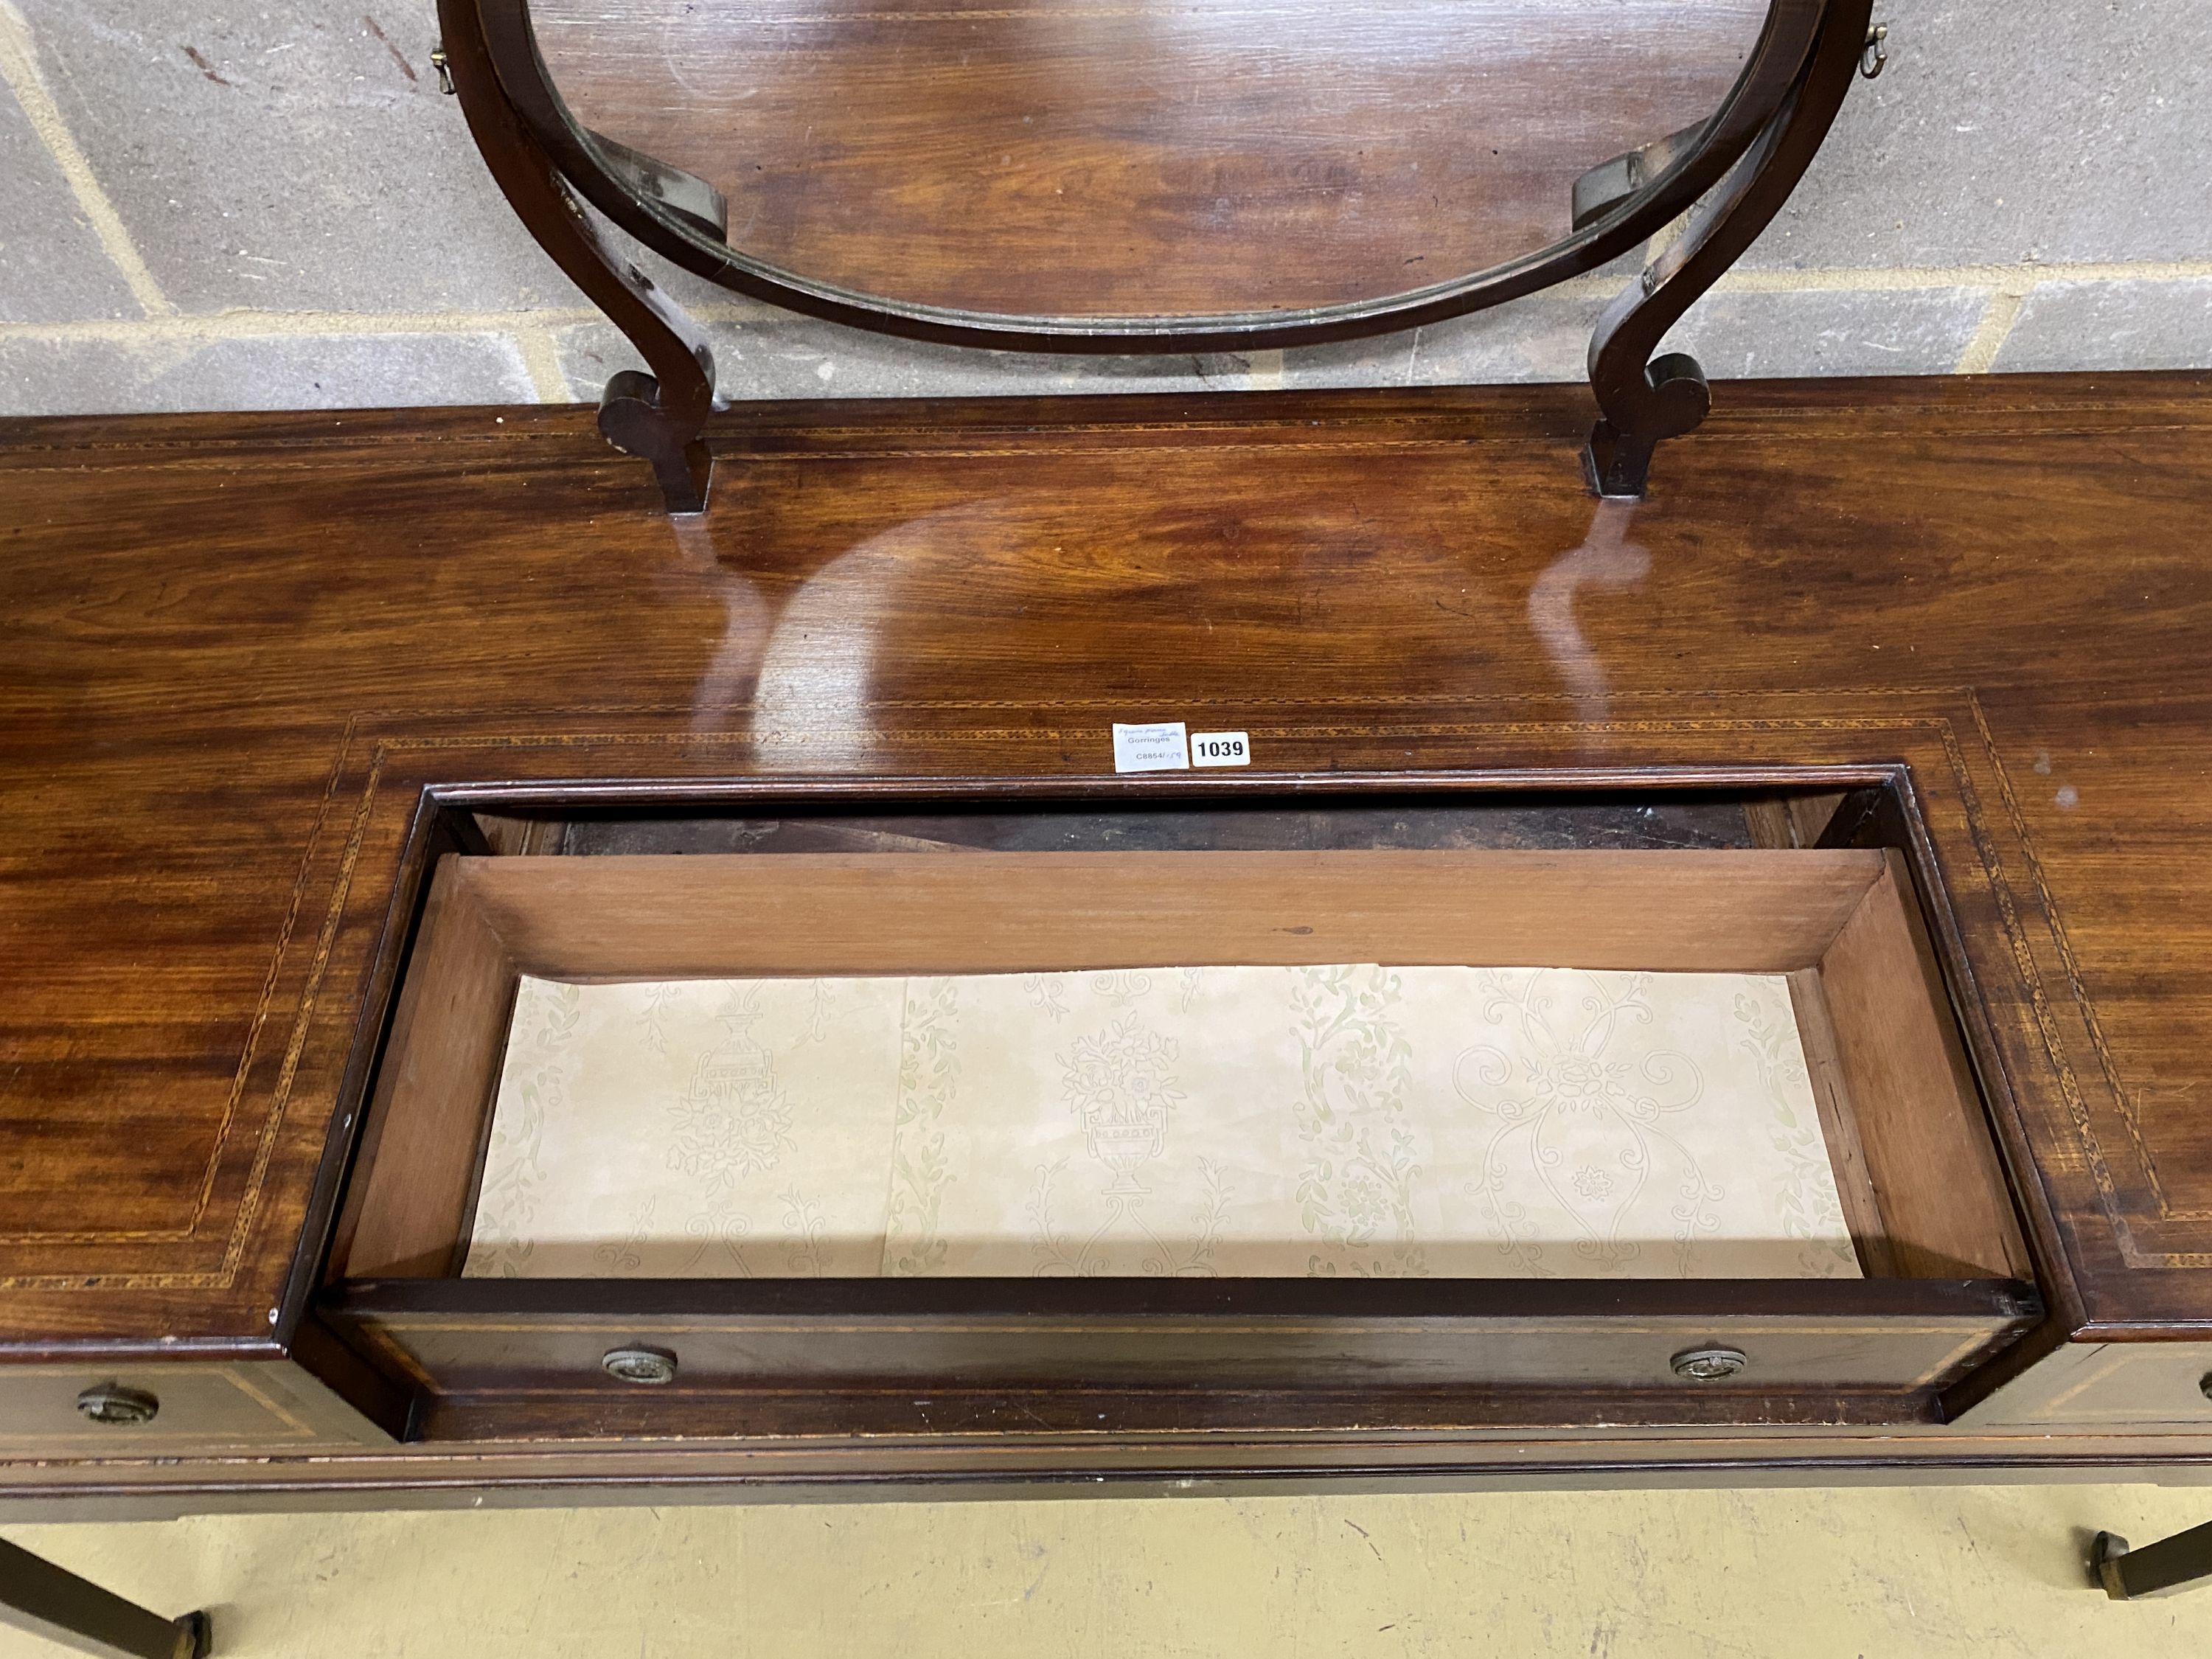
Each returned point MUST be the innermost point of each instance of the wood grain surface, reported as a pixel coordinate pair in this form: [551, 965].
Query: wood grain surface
[1115, 158]
[236, 651]
[716, 916]
[407, 1213]
[1935, 1175]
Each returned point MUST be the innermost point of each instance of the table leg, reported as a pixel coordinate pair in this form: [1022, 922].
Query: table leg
[51, 1601]
[2180, 1562]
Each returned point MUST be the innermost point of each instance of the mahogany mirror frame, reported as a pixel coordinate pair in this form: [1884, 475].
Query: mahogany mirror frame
[1732, 174]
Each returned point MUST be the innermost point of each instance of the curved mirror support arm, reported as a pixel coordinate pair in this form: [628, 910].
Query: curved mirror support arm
[1749, 154]
[1645, 399]
[1676, 178]
[688, 197]
[657, 416]
[1610, 183]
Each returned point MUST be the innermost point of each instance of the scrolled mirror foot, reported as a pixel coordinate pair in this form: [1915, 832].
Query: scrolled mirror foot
[1618, 457]
[1619, 465]
[632, 419]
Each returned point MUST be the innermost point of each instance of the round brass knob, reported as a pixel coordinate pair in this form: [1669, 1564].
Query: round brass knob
[647, 1366]
[110, 1402]
[1708, 1365]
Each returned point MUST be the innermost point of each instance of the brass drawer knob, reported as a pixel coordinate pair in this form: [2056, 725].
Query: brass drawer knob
[1709, 1364]
[647, 1366]
[110, 1402]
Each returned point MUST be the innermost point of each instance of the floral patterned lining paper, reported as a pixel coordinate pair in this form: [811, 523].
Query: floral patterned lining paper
[1492, 1122]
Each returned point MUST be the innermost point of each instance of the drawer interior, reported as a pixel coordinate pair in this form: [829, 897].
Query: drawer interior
[1109, 974]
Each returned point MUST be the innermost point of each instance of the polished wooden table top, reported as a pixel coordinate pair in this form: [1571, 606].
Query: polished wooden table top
[232, 649]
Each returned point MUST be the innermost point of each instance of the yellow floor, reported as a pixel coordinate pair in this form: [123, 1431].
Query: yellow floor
[1969, 1570]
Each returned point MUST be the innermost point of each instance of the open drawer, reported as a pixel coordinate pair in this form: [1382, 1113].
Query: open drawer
[1213, 1128]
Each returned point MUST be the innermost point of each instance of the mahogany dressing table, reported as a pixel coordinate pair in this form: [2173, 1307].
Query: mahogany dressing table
[267, 677]
[327, 733]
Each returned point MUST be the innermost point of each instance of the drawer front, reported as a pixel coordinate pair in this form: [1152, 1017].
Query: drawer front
[734, 1375]
[196, 1408]
[2107, 1385]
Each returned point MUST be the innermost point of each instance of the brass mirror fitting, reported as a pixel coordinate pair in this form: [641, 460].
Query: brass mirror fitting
[1875, 59]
